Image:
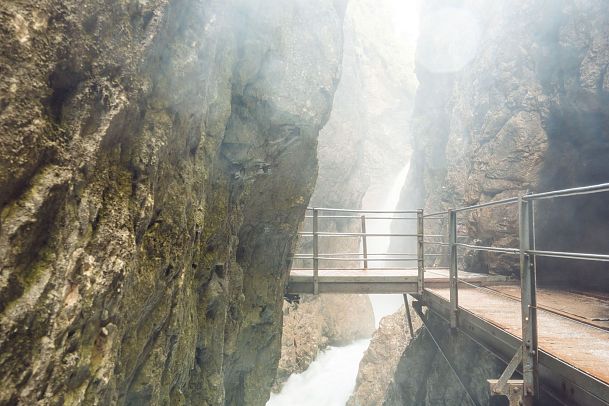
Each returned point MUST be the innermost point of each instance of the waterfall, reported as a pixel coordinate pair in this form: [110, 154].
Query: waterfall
[384, 305]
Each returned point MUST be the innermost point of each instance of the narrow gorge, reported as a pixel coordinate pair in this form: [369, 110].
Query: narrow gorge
[159, 160]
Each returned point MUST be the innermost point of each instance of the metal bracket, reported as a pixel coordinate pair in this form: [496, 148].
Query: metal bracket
[512, 391]
[502, 383]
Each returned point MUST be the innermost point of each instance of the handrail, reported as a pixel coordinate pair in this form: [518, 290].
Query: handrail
[333, 234]
[357, 217]
[356, 253]
[576, 191]
[488, 204]
[362, 210]
[491, 249]
[359, 259]
[438, 213]
[570, 255]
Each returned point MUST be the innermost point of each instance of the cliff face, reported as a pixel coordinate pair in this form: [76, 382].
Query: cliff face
[423, 377]
[365, 142]
[520, 104]
[155, 162]
[379, 364]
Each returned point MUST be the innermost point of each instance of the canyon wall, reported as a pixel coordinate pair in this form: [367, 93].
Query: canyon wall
[513, 98]
[423, 376]
[156, 158]
[380, 361]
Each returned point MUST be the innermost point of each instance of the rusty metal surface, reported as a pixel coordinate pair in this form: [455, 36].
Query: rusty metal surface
[583, 346]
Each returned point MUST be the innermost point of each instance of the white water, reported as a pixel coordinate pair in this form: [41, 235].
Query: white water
[384, 305]
[328, 381]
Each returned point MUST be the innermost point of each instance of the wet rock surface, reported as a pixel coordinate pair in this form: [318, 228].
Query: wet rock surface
[155, 162]
[379, 364]
[423, 377]
[526, 110]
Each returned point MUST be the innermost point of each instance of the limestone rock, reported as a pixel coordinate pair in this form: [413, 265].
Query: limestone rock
[423, 377]
[156, 158]
[525, 111]
[380, 361]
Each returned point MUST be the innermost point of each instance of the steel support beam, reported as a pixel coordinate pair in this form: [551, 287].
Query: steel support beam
[315, 252]
[408, 316]
[364, 242]
[453, 276]
[528, 304]
[420, 252]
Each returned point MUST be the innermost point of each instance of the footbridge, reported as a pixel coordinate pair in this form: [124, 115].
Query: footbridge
[554, 341]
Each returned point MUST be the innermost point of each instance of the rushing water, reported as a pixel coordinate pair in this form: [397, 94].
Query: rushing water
[328, 381]
[384, 305]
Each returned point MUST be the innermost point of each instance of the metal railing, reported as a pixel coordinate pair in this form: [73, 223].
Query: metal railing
[526, 251]
[528, 275]
[363, 256]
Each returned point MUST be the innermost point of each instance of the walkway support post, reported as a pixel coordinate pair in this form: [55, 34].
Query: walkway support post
[420, 253]
[453, 277]
[315, 252]
[364, 243]
[528, 303]
[408, 316]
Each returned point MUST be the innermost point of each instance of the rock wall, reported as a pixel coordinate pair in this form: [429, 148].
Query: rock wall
[379, 364]
[513, 97]
[423, 377]
[156, 158]
[366, 140]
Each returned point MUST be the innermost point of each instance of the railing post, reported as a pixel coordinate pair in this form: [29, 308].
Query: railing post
[364, 243]
[453, 277]
[315, 253]
[528, 304]
[420, 253]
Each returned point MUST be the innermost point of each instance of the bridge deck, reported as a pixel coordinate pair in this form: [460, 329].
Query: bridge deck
[584, 346]
[378, 280]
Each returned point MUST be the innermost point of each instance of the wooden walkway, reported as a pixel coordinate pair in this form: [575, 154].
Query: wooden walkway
[390, 281]
[573, 328]
[558, 337]
[584, 346]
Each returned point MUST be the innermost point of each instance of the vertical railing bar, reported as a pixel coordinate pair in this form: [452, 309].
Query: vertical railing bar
[453, 276]
[420, 252]
[364, 242]
[528, 305]
[533, 235]
[315, 252]
[408, 316]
